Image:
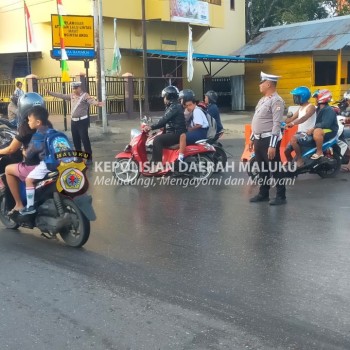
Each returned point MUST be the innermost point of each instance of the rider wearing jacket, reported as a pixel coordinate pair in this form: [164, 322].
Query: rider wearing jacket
[173, 121]
[210, 99]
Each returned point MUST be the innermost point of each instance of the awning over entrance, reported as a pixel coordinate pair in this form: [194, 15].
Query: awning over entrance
[202, 57]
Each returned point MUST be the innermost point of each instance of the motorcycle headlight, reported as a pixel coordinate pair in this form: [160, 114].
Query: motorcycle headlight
[134, 133]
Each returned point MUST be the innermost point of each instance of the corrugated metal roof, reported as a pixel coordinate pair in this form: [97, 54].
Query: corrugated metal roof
[182, 55]
[328, 34]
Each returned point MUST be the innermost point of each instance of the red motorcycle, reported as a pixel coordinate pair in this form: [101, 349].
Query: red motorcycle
[198, 160]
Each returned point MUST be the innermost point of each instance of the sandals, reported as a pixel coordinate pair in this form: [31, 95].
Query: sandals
[344, 169]
[316, 156]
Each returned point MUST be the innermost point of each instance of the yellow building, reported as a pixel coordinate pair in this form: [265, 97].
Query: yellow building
[315, 54]
[218, 27]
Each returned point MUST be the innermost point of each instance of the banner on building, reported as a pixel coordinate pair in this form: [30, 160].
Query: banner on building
[190, 51]
[191, 11]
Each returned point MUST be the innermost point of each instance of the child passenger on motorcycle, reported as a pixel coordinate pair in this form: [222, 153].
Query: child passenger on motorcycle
[197, 129]
[33, 167]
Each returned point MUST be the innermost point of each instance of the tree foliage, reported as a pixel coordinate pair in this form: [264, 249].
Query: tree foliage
[268, 13]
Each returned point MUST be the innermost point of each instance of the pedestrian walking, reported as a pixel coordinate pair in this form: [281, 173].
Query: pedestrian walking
[266, 138]
[80, 102]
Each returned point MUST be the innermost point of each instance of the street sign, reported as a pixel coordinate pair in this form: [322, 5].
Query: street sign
[75, 54]
[78, 32]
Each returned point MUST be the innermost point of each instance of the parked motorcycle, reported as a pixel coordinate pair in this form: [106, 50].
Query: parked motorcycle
[133, 161]
[56, 213]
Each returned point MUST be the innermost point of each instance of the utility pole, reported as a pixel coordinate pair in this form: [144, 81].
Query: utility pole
[98, 58]
[100, 65]
[144, 50]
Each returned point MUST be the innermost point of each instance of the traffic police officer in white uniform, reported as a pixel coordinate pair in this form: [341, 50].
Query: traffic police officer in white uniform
[266, 138]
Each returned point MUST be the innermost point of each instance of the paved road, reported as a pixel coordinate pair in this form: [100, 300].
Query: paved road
[168, 267]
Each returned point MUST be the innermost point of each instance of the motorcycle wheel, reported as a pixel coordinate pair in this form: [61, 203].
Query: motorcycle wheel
[126, 170]
[78, 233]
[4, 218]
[252, 169]
[219, 157]
[329, 173]
[208, 168]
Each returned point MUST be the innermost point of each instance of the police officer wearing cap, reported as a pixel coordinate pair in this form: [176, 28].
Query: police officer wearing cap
[80, 102]
[266, 138]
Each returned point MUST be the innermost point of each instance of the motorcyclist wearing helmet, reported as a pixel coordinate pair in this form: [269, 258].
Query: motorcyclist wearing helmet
[304, 117]
[12, 153]
[186, 95]
[325, 129]
[174, 123]
[33, 167]
[210, 98]
[197, 129]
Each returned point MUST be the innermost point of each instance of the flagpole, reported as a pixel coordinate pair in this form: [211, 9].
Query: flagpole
[64, 88]
[144, 54]
[102, 67]
[27, 47]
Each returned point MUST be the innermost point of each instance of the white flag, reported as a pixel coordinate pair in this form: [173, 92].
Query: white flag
[116, 66]
[190, 51]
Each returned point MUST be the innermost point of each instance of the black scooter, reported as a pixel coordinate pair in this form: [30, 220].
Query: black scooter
[56, 213]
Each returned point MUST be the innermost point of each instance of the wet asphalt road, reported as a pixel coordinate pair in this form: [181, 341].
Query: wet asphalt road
[168, 267]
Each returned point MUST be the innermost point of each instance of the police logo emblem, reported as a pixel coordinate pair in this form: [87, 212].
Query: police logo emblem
[72, 178]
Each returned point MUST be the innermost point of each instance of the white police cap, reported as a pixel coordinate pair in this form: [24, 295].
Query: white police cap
[75, 84]
[270, 77]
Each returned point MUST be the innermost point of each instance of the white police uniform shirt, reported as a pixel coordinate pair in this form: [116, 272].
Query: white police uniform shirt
[268, 117]
[198, 117]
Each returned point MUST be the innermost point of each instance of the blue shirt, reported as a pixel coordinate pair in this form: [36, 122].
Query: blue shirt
[213, 110]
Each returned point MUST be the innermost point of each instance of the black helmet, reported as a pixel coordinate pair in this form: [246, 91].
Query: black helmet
[186, 95]
[212, 96]
[27, 102]
[170, 93]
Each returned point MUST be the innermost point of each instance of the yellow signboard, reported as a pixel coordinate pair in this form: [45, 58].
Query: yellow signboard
[78, 31]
